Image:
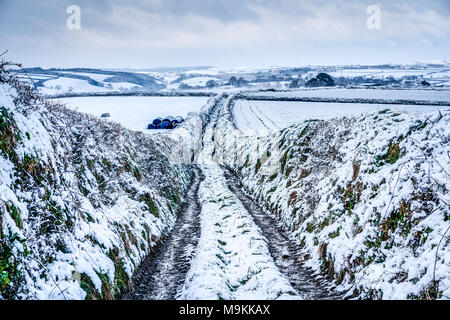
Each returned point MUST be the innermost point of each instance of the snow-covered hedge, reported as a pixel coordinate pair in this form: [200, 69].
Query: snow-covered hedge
[82, 200]
[367, 197]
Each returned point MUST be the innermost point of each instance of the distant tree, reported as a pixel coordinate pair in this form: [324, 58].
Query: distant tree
[321, 80]
[233, 81]
[294, 84]
[313, 83]
[211, 84]
[184, 86]
[326, 79]
[237, 82]
[241, 82]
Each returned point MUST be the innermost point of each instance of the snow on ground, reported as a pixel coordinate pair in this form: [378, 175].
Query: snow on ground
[135, 113]
[232, 258]
[440, 75]
[228, 70]
[262, 116]
[94, 76]
[342, 93]
[198, 81]
[85, 209]
[35, 76]
[384, 73]
[121, 86]
[64, 85]
[367, 196]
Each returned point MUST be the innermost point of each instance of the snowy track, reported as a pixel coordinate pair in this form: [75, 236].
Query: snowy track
[163, 272]
[232, 259]
[239, 256]
[232, 248]
[283, 249]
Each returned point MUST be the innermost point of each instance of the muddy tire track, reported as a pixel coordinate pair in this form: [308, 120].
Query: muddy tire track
[163, 272]
[283, 249]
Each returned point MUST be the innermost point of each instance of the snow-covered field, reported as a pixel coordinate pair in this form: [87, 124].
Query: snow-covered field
[342, 93]
[135, 113]
[63, 85]
[383, 73]
[198, 81]
[56, 82]
[261, 116]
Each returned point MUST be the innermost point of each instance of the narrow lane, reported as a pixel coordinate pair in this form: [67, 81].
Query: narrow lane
[163, 272]
[232, 260]
[224, 246]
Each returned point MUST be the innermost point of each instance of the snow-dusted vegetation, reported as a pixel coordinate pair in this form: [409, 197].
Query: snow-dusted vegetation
[429, 96]
[366, 196]
[82, 201]
[286, 199]
[232, 259]
[225, 150]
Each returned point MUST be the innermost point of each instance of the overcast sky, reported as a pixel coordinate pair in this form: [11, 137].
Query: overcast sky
[150, 33]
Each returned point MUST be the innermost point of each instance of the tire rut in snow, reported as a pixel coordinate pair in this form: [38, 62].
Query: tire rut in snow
[163, 272]
[284, 250]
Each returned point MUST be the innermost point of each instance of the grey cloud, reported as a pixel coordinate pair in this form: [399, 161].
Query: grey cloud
[34, 31]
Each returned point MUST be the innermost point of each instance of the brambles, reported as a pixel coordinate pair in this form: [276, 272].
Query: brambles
[148, 200]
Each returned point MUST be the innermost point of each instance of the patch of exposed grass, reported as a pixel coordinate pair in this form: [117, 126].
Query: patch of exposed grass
[151, 207]
[292, 198]
[283, 160]
[288, 171]
[273, 189]
[398, 219]
[257, 166]
[15, 214]
[9, 135]
[392, 155]
[417, 127]
[335, 234]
